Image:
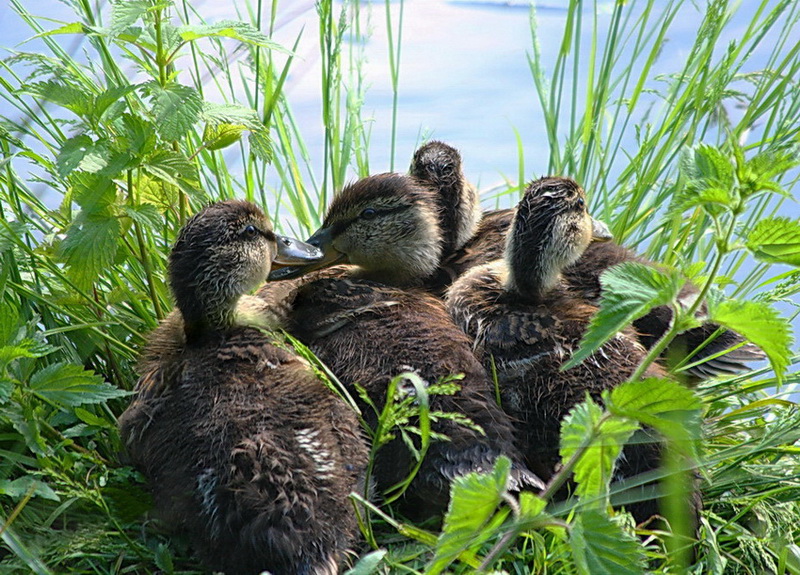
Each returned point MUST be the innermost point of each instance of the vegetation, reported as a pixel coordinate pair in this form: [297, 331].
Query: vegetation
[127, 146]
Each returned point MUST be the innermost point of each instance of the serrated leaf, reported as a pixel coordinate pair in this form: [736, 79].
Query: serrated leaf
[92, 192]
[6, 388]
[163, 559]
[22, 486]
[601, 546]
[368, 564]
[709, 179]
[261, 145]
[90, 418]
[9, 353]
[231, 114]
[90, 248]
[172, 168]
[530, 506]
[70, 97]
[760, 323]
[230, 29]
[71, 385]
[651, 398]
[146, 215]
[71, 28]
[10, 234]
[110, 96]
[602, 436]
[222, 135]
[776, 240]
[630, 290]
[126, 13]
[474, 499]
[72, 153]
[176, 109]
[9, 322]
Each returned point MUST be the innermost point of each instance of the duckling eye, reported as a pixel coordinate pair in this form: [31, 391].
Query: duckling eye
[369, 213]
[581, 203]
[250, 232]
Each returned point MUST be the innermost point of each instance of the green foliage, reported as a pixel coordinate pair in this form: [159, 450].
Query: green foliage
[630, 290]
[601, 546]
[776, 240]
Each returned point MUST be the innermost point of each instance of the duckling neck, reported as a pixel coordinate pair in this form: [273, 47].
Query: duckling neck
[203, 315]
[534, 268]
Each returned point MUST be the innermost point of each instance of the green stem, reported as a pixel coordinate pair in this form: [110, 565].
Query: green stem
[143, 255]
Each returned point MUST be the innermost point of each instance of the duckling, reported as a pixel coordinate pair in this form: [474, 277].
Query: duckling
[526, 321]
[245, 450]
[439, 165]
[367, 331]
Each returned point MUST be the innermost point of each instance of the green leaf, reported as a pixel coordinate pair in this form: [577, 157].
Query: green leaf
[171, 167]
[110, 96]
[630, 290]
[709, 179]
[71, 28]
[651, 398]
[92, 192]
[72, 153]
[22, 486]
[146, 215]
[261, 145]
[602, 437]
[776, 240]
[757, 321]
[231, 114]
[230, 29]
[77, 100]
[474, 499]
[221, 136]
[90, 248]
[368, 564]
[71, 385]
[90, 418]
[601, 546]
[758, 171]
[137, 135]
[9, 322]
[163, 559]
[125, 14]
[176, 109]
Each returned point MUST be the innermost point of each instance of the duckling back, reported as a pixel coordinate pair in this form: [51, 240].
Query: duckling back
[368, 333]
[249, 455]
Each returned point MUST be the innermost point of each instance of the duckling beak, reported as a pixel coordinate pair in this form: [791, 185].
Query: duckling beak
[322, 243]
[292, 251]
[600, 232]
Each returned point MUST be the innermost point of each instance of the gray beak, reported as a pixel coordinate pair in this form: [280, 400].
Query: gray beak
[600, 232]
[292, 251]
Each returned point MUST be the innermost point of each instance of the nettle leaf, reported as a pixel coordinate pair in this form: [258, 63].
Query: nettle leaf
[474, 499]
[22, 486]
[83, 154]
[11, 234]
[90, 247]
[176, 109]
[6, 386]
[74, 99]
[71, 385]
[126, 13]
[776, 240]
[94, 193]
[603, 436]
[630, 290]
[71, 28]
[217, 137]
[261, 145]
[146, 215]
[368, 564]
[9, 322]
[601, 546]
[231, 114]
[757, 172]
[137, 135]
[172, 168]
[231, 29]
[757, 321]
[107, 98]
[709, 179]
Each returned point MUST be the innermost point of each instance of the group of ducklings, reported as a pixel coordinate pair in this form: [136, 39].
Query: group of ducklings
[249, 454]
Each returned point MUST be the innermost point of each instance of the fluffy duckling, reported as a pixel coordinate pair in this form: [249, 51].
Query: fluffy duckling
[367, 331]
[245, 450]
[439, 165]
[524, 318]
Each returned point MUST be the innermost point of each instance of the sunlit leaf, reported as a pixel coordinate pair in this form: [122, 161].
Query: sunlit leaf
[69, 384]
[261, 145]
[105, 99]
[602, 437]
[92, 192]
[22, 486]
[630, 290]
[368, 564]
[760, 323]
[90, 247]
[231, 114]
[176, 109]
[78, 101]
[776, 240]
[231, 29]
[601, 546]
[217, 137]
[72, 153]
[146, 215]
[71, 28]
[125, 14]
[474, 499]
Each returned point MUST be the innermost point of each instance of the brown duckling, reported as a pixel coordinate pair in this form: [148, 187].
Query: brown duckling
[245, 450]
[367, 331]
[439, 165]
[525, 319]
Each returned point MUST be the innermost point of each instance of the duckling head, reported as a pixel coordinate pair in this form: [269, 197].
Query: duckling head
[385, 224]
[551, 230]
[223, 252]
[439, 165]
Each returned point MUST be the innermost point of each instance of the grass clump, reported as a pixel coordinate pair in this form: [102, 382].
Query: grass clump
[691, 166]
